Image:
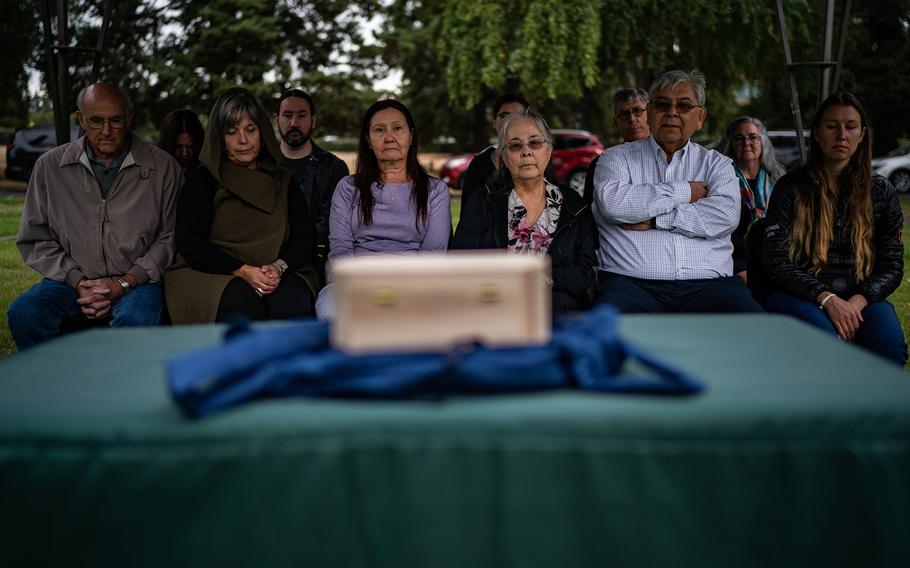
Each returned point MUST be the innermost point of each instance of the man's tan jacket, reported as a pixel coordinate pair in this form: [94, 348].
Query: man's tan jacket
[68, 232]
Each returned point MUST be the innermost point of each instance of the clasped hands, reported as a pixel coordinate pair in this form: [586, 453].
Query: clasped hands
[845, 315]
[699, 190]
[97, 295]
[263, 279]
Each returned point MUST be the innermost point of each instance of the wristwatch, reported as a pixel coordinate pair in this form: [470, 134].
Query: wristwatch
[124, 283]
[281, 266]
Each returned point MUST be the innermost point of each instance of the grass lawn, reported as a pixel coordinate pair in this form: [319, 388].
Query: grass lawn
[15, 277]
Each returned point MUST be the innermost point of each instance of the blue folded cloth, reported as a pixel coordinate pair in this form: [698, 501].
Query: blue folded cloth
[585, 352]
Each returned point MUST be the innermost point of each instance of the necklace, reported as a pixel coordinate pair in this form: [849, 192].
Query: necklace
[531, 219]
[390, 193]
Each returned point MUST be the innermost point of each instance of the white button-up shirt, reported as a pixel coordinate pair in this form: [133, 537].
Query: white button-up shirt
[634, 183]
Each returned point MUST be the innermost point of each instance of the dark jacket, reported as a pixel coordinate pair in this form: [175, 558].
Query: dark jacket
[837, 276]
[479, 172]
[483, 225]
[321, 177]
[230, 215]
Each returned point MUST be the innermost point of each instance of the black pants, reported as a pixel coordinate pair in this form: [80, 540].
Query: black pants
[292, 299]
[713, 295]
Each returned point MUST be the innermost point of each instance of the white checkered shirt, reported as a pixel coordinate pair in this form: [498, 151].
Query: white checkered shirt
[635, 183]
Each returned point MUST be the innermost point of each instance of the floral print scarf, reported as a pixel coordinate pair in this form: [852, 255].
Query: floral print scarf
[525, 239]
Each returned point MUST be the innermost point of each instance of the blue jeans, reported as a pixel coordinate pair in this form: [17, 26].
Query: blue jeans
[712, 295]
[879, 332]
[49, 307]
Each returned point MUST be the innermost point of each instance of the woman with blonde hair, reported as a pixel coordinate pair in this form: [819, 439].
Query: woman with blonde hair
[833, 250]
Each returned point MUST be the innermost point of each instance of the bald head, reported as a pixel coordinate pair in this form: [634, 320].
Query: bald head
[104, 115]
[105, 91]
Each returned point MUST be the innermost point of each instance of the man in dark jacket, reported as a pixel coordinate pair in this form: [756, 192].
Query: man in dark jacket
[316, 171]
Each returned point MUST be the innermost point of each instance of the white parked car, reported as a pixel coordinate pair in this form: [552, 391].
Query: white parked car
[896, 167]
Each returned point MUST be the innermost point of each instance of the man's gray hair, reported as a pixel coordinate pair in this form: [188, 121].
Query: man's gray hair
[624, 96]
[667, 80]
[232, 105]
[529, 114]
[80, 98]
[768, 159]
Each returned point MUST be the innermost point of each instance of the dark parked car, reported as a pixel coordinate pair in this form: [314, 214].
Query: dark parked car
[573, 150]
[28, 145]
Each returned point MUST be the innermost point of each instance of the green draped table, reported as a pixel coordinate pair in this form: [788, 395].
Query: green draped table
[796, 454]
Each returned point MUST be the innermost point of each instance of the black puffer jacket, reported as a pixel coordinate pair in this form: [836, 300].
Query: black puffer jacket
[484, 225]
[837, 276]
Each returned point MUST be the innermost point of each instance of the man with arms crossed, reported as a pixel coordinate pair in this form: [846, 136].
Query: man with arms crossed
[665, 207]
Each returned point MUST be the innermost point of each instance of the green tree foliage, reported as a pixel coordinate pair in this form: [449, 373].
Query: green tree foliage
[877, 68]
[566, 56]
[411, 41]
[547, 46]
[569, 56]
[182, 54]
[19, 30]
[264, 45]
[217, 45]
[129, 58]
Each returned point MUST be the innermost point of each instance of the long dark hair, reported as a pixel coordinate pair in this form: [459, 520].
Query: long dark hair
[813, 226]
[176, 123]
[367, 171]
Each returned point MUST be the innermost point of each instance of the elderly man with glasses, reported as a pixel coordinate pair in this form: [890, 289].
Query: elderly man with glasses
[98, 225]
[665, 207]
[630, 116]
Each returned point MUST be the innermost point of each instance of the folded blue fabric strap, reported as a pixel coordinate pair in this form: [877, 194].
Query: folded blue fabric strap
[296, 360]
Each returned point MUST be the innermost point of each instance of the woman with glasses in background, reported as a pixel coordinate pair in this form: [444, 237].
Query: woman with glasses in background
[747, 142]
[833, 250]
[523, 212]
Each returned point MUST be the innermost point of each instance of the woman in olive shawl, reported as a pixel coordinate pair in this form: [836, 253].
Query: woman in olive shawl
[244, 241]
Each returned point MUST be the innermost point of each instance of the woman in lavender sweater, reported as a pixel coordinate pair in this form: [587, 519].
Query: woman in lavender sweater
[391, 204]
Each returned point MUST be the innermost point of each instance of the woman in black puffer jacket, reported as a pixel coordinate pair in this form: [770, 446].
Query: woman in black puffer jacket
[833, 250]
[523, 212]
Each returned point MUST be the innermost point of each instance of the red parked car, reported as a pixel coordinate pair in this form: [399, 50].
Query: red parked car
[573, 150]
[454, 168]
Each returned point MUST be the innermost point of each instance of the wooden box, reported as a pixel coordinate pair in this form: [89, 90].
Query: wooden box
[431, 302]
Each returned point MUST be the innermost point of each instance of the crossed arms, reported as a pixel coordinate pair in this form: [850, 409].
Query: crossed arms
[706, 209]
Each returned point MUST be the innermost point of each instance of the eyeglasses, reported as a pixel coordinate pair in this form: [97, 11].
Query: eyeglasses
[628, 114]
[750, 138]
[682, 107]
[533, 144]
[115, 122]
